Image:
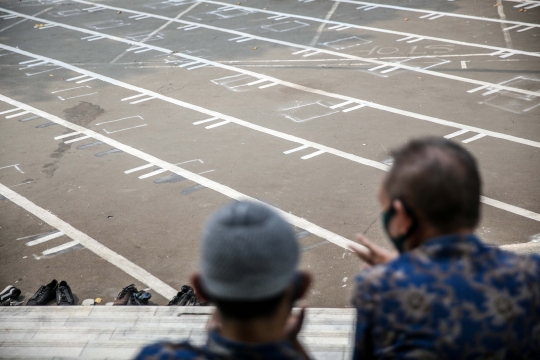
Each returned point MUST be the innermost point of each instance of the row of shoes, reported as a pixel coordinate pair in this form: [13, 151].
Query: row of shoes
[131, 296]
[45, 294]
[63, 295]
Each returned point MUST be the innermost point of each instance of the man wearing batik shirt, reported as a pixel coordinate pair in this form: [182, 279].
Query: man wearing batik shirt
[444, 294]
[249, 270]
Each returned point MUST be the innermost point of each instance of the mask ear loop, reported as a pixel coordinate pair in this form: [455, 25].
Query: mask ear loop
[297, 288]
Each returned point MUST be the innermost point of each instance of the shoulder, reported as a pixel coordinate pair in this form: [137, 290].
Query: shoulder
[166, 350]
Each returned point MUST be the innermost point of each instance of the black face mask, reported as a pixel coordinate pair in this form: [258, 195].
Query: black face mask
[399, 241]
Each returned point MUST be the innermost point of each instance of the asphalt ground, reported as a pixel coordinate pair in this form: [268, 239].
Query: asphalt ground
[136, 80]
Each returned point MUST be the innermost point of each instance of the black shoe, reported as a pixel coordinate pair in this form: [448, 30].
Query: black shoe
[176, 300]
[64, 296]
[11, 302]
[140, 298]
[10, 292]
[44, 295]
[125, 295]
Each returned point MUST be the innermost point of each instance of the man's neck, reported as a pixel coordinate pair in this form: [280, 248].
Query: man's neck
[262, 330]
[430, 233]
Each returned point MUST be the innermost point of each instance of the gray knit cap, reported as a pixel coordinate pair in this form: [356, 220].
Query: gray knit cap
[248, 252]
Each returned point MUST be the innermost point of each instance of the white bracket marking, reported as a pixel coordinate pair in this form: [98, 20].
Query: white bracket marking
[43, 239]
[476, 137]
[316, 153]
[354, 108]
[454, 134]
[217, 124]
[296, 149]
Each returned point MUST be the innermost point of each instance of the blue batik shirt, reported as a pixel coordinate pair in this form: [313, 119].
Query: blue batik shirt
[219, 348]
[451, 298]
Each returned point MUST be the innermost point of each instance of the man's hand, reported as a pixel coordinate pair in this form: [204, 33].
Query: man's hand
[374, 255]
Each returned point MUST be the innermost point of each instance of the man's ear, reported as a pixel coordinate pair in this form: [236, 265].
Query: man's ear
[196, 283]
[305, 282]
[404, 221]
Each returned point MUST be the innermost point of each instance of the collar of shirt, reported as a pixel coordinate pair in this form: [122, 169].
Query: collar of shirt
[457, 245]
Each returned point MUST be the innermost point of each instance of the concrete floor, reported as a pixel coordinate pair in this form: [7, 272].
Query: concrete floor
[129, 48]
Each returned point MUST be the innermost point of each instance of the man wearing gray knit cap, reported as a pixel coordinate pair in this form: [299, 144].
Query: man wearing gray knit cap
[249, 270]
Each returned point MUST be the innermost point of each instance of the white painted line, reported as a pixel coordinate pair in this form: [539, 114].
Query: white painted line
[66, 135]
[282, 135]
[477, 89]
[141, 51]
[510, 208]
[300, 17]
[404, 66]
[430, 13]
[316, 153]
[85, 80]
[341, 104]
[406, 38]
[197, 66]
[334, 27]
[256, 82]
[60, 248]
[378, 67]
[16, 166]
[525, 29]
[217, 124]
[133, 97]
[454, 134]
[111, 121]
[142, 100]
[45, 238]
[415, 40]
[129, 128]
[9, 111]
[77, 96]
[507, 55]
[311, 54]
[354, 108]
[390, 70]
[139, 168]
[532, 6]
[296, 149]
[135, 48]
[189, 63]
[77, 139]
[511, 27]
[243, 40]
[437, 16]
[498, 52]
[301, 51]
[97, 248]
[28, 61]
[267, 86]
[77, 77]
[427, 15]
[236, 38]
[153, 173]
[205, 121]
[205, 172]
[18, 114]
[476, 137]
[464, 64]
[73, 88]
[223, 189]
[35, 64]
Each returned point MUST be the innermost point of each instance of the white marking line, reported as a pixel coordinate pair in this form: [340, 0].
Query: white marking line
[139, 168]
[316, 153]
[16, 115]
[404, 66]
[267, 86]
[129, 128]
[454, 134]
[85, 80]
[295, 139]
[197, 66]
[321, 27]
[205, 121]
[217, 124]
[45, 238]
[354, 108]
[341, 104]
[477, 89]
[111, 121]
[77, 139]
[77, 96]
[60, 248]
[429, 12]
[73, 88]
[476, 137]
[255, 82]
[8, 111]
[23, 20]
[205, 172]
[16, 166]
[97, 248]
[153, 173]
[66, 135]
[463, 64]
[132, 97]
[296, 149]
[77, 77]
[510, 208]
[142, 100]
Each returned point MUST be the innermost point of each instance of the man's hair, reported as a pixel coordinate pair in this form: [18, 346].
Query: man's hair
[439, 180]
[248, 310]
